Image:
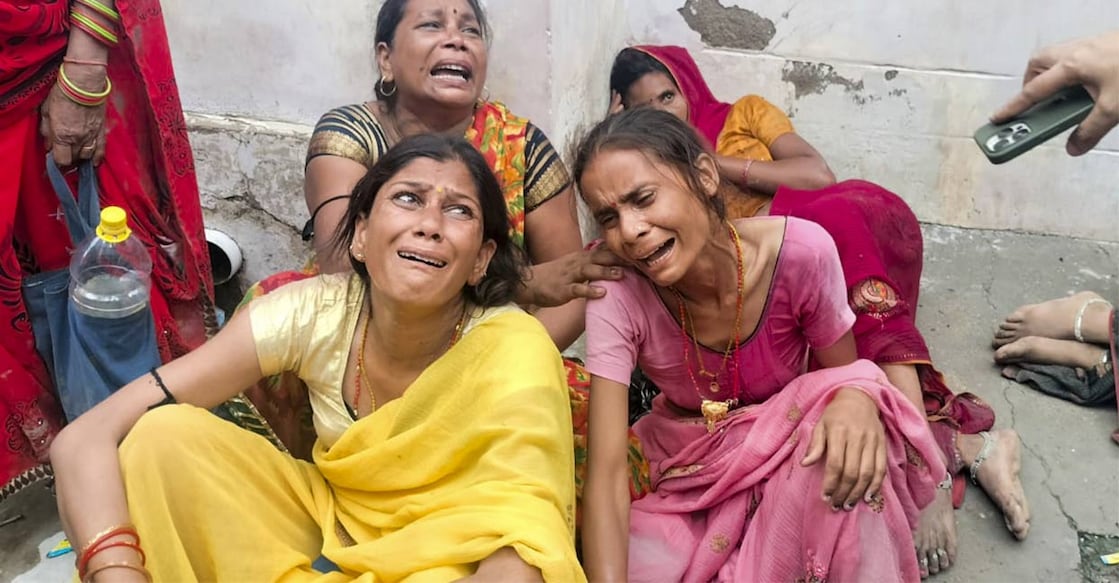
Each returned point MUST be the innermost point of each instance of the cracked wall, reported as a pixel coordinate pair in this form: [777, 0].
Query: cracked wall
[887, 91]
[892, 92]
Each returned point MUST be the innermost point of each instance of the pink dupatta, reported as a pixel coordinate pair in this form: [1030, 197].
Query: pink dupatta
[736, 505]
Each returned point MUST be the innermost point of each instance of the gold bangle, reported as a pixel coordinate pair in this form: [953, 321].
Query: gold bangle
[118, 565]
[100, 95]
[126, 529]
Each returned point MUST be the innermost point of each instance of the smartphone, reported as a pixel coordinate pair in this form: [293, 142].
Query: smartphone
[1059, 112]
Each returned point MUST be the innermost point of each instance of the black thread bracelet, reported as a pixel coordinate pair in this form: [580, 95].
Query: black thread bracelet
[169, 399]
[309, 226]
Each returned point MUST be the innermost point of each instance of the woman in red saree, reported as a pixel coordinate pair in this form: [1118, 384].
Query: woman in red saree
[881, 249]
[138, 139]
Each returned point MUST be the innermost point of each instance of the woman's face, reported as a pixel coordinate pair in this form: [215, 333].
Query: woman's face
[658, 91]
[648, 213]
[438, 55]
[422, 241]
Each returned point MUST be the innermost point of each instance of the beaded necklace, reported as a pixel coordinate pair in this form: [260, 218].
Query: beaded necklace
[714, 411]
[362, 378]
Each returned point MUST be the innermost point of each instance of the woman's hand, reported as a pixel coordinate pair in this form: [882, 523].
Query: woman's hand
[561, 280]
[853, 438]
[75, 132]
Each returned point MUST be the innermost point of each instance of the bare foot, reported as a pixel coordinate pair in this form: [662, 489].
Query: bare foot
[1051, 319]
[1038, 350]
[998, 476]
[935, 537]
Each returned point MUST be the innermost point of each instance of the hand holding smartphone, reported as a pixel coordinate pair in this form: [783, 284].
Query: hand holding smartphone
[1008, 140]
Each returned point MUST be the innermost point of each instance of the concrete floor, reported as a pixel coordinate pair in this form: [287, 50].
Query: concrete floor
[972, 278]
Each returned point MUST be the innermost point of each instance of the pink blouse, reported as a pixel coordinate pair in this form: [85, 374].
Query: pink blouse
[806, 308]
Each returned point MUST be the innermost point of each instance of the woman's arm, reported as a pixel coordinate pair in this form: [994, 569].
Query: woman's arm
[841, 353]
[87, 471]
[561, 268]
[505, 565]
[795, 164]
[606, 497]
[905, 378]
[326, 177]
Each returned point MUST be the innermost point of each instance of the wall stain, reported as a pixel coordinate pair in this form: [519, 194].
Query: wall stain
[728, 27]
[898, 92]
[891, 74]
[814, 78]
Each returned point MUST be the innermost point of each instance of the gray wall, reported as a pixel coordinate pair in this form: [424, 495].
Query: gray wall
[887, 91]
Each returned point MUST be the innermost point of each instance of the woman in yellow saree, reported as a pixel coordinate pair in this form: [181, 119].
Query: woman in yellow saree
[444, 446]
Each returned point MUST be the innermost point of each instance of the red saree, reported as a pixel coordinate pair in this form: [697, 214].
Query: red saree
[706, 113]
[881, 248]
[148, 170]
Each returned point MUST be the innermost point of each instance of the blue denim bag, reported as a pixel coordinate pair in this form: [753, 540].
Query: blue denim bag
[88, 357]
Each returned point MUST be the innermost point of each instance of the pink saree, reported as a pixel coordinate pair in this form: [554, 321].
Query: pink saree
[736, 505]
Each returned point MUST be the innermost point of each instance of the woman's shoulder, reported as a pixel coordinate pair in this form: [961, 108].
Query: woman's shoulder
[353, 113]
[755, 105]
[349, 131]
[318, 292]
[794, 239]
[507, 329]
[630, 297]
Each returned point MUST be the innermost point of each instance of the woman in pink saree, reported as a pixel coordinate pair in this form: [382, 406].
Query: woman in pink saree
[761, 471]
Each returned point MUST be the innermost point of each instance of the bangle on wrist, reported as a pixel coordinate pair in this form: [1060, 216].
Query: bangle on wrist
[746, 172]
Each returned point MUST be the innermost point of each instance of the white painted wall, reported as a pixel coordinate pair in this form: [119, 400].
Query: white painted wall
[930, 73]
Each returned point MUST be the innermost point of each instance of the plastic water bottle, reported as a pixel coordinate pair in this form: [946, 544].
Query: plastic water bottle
[110, 274]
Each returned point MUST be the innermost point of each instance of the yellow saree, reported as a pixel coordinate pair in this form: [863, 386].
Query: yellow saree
[474, 457]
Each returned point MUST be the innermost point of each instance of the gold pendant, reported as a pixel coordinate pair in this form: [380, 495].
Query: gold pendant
[714, 412]
[714, 387]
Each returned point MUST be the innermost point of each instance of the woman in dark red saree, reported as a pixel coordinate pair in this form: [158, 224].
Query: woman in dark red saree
[138, 139]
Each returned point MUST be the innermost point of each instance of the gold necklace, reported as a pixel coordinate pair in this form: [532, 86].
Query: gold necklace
[362, 376]
[715, 411]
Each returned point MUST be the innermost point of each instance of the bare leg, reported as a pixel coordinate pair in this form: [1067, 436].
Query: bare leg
[1055, 319]
[998, 476]
[1038, 350]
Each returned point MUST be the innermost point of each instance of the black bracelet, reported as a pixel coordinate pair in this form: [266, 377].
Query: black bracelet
[169, 399]
[309, 226]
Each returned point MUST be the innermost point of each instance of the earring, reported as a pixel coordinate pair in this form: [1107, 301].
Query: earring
[381, 88]
[357, 255]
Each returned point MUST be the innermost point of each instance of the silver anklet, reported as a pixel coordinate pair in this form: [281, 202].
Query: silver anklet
[984, 452]
[1076, 331]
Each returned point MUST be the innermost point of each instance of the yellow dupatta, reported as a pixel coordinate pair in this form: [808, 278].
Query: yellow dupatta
[477, 455]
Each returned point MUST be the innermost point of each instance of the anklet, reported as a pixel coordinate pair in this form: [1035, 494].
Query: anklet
[1076, 332]
[988, 445]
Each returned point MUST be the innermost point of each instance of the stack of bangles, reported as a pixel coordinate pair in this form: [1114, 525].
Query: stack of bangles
[100, 22]
[114, 537]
